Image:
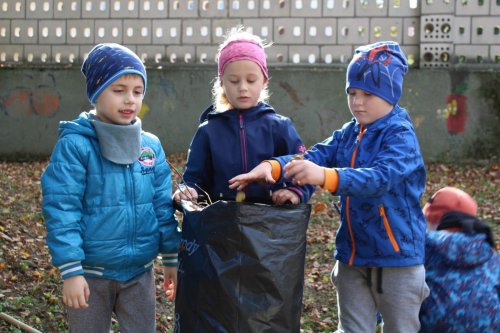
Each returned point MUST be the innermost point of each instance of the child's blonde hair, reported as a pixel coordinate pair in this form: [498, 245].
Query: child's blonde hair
[237, 33]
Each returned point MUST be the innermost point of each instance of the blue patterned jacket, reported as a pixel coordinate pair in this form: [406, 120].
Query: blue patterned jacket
[463, 274]
[381, 180]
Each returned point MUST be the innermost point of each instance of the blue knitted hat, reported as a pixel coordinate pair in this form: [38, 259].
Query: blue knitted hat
[108, 62]
[378, 69]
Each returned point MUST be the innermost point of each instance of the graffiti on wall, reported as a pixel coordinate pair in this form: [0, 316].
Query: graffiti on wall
[455, 112]
[38, 99]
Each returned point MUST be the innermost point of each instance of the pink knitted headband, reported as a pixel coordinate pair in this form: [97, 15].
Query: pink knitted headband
[242, 50]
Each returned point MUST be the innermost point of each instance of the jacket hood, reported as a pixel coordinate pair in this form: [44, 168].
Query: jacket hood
[396, 114]
[257, 110]
[459, 249]
[82, 125]
[468, 224]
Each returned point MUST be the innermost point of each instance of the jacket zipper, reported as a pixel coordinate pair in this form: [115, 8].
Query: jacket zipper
[132, 208]
[243, 143]
[362, 131]
[387, 227]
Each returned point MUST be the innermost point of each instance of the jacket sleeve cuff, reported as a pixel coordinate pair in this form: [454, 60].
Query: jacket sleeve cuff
[168, 259]
[297, 191]
[331, 180]
[276, 169]
[70, 269]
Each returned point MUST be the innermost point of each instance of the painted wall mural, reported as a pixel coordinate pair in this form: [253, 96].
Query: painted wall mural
[32, 99]
[455, 112]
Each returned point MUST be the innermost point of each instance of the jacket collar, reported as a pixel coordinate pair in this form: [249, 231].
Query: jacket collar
[396, 112]
[248, 114]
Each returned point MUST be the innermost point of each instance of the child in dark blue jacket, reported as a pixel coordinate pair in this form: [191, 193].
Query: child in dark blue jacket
[373, 163]
[236, 133]
[240, 129]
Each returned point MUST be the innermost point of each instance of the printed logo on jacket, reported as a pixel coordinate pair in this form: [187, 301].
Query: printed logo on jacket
[147, 160]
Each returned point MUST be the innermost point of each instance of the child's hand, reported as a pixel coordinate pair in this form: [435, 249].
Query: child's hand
[76, 292]
[283, 196]
[185, 193]
[305, 172]
[260, 172]
[170, 282]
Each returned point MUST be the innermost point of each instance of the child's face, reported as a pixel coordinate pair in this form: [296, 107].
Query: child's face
[243, 82]
[366, 107]
[120, 102]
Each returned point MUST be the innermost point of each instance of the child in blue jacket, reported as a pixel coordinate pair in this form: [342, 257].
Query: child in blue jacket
[240, 129]
[107, 202]
[462, 267]
[373, 163]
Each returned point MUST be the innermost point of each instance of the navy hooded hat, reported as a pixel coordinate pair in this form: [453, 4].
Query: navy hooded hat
[378, 69]
[106, 63]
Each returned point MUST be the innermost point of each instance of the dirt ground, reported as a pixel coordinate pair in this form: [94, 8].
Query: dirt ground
[30, 288]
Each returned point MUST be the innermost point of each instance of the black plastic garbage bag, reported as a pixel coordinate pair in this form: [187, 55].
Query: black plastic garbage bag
[241, 268]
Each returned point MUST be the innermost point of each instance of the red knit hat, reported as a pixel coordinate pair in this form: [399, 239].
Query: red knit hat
[448, 199]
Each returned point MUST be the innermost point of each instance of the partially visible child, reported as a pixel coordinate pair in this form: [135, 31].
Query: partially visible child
[462, 267]
[240, 129]
[373, 163]
[107, 202]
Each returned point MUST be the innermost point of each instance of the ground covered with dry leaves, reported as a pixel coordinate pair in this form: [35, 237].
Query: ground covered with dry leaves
[30, 288]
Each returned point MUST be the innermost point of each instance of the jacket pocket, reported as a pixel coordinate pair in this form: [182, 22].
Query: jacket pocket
[388, 229]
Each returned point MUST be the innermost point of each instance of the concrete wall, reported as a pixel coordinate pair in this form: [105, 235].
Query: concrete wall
[433, 34]
[32, 102]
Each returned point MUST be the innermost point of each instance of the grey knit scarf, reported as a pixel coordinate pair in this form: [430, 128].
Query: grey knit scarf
[120, 144]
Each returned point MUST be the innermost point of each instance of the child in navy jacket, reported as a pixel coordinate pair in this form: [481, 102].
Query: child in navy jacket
[240, 129]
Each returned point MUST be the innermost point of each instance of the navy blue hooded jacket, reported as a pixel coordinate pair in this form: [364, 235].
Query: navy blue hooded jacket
[233, 142]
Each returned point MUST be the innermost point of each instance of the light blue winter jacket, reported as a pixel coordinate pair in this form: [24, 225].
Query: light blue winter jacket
[381, 180]
[105, 219]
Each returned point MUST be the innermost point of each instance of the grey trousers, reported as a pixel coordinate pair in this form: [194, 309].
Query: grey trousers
[133, 303]
[396, 292]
